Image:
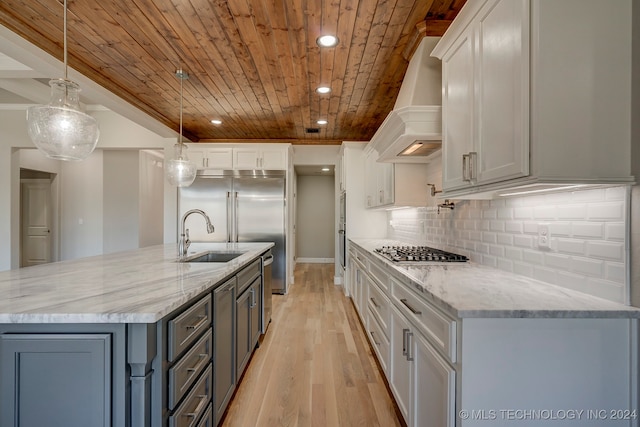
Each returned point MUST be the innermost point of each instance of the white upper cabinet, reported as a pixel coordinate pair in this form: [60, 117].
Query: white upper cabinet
[531, 99]
[389, 185]
[242, 157]
[210, 158]
[259, 157]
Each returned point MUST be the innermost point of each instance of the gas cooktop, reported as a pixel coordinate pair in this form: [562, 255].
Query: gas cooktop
[413, 254]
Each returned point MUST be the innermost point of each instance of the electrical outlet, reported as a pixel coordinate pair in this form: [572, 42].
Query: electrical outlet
[543, 235]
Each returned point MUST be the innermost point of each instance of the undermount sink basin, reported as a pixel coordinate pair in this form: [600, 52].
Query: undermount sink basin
[212, 256]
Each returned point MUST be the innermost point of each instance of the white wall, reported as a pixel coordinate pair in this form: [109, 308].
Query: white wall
[121, 200]
[151, 198]
[315, 154]
[315, 218]
[80, 185]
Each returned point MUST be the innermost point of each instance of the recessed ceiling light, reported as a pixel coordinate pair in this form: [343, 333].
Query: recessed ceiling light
[325, 169]
[216, 122]
[323, 89]
[322, 122]
[327, 41]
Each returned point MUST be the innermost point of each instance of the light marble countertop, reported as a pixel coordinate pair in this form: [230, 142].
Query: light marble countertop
[473, 290]
[139, 286]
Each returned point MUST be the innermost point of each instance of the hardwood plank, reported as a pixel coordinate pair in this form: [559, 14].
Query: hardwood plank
[315, 366]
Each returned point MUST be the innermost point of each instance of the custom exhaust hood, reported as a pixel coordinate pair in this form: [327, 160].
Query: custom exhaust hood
[412, 132]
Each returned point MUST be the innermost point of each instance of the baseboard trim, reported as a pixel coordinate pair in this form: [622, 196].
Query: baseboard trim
[316, 260]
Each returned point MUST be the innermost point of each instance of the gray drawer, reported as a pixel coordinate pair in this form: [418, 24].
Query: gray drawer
[184, 373]
[207, 418]
[187, 327]
[196, 402]
[248, 275]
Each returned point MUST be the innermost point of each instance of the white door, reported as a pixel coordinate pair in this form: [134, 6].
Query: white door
[36, 222]
[401, 366]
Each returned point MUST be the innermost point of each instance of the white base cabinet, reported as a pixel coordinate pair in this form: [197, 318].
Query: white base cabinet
[505, 371]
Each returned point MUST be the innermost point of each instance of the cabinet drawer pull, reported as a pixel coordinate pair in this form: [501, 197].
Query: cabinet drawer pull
[409, 355]
[203, 321]
[203, 401]
[197, 366]
[375, 304]
[404, 341]
[373, 336]
[413, 310]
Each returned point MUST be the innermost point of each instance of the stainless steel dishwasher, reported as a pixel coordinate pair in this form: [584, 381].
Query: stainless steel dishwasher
[267, 261]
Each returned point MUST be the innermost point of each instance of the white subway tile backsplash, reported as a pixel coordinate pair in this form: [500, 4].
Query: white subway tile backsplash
[613, 250]
[615, 272]
[571, 246]
[557, 260]
[605, 211]
[533, 257]
[513, 227]
[572, 211]
[523, 212]
[523, 241]
[560, 228]
[587, 266]
[616, 193]
[587, 230]
[615, 231]
[587, 236]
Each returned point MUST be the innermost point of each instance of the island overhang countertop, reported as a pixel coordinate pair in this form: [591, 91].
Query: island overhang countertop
[137, 286]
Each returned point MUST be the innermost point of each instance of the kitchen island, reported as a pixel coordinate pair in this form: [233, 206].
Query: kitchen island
[467, 345]
[125, 339]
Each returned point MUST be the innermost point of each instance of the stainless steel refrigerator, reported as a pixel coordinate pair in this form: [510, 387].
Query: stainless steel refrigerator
[244, 206]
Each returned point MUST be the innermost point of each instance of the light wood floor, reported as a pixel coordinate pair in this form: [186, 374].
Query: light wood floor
[315, 366]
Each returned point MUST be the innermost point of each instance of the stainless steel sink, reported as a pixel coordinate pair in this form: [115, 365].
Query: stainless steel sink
[212, 256]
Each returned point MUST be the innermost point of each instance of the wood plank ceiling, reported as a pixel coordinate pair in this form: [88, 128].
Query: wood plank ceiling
[253, 64]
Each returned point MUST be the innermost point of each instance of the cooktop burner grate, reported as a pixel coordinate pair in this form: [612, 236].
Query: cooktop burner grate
[418, 254]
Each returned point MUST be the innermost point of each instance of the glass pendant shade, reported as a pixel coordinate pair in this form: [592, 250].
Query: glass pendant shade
[180, 171]
[60, 129]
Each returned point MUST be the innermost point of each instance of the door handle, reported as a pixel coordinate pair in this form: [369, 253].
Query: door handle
[235, 222]
[228, 216]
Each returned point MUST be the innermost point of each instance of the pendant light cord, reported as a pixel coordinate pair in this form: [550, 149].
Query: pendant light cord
[181, 79]
[64, 40]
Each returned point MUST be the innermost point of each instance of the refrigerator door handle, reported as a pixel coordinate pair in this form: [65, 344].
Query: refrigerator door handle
[228, 216]
[235, 219]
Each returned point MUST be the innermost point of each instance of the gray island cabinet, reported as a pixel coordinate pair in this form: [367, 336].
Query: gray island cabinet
[126, 340]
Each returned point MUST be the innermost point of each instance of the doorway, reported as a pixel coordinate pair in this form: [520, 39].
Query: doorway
[36, 217]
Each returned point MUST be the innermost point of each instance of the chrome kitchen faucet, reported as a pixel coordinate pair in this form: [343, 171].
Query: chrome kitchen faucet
[184, 242]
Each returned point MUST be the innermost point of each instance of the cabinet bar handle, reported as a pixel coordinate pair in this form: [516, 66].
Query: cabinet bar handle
[404, 341]
[203, 400]
[413, 310]
[465, 167]
[409, 355]
[373, 336]
[375, 304]
[473, 174]
[198, 325]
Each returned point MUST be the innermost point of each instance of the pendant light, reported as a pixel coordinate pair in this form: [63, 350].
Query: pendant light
[180, 171]
[61, 129]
